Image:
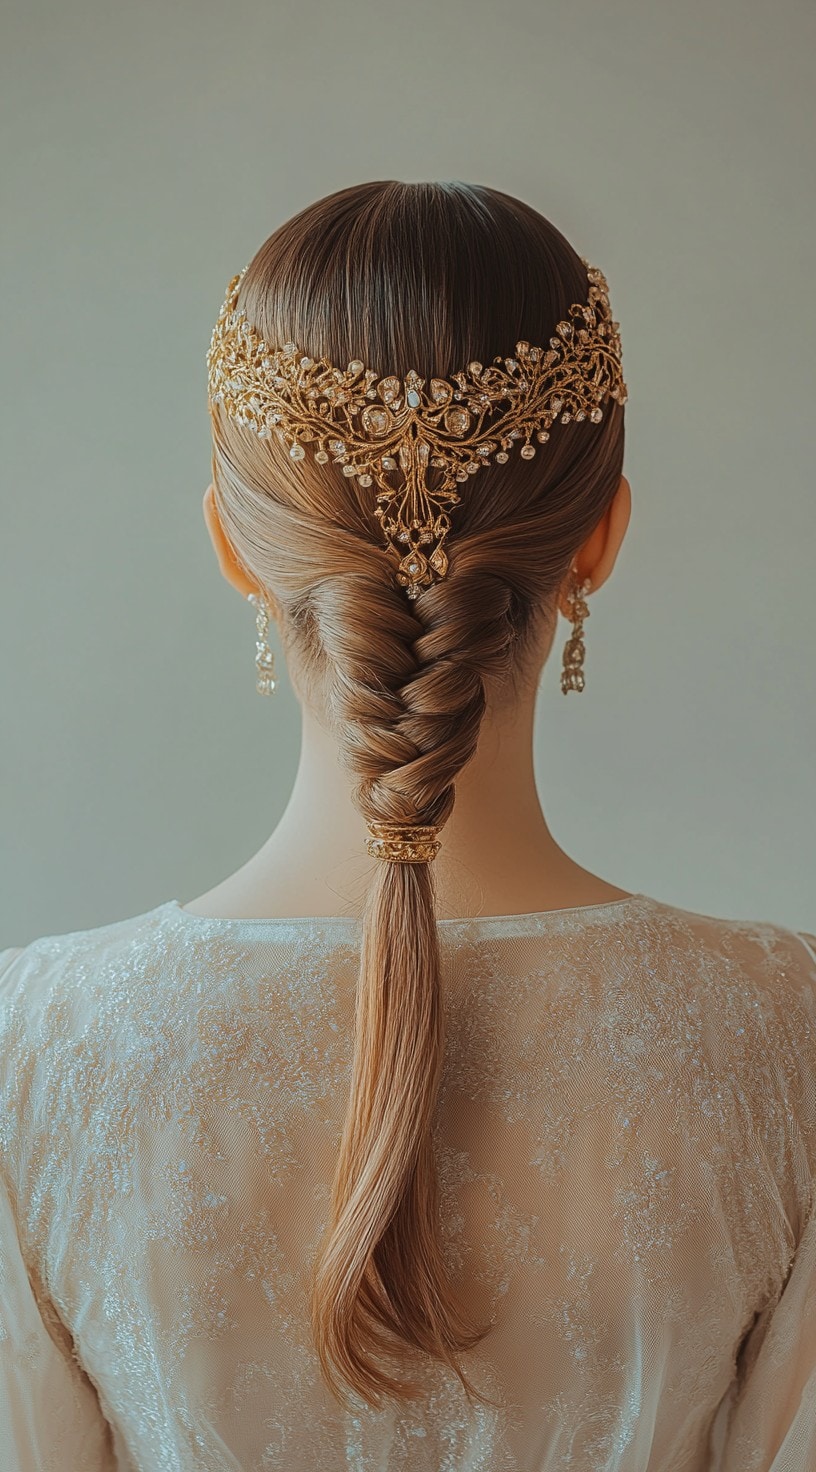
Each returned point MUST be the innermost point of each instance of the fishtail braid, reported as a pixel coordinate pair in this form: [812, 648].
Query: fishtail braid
[408, 706]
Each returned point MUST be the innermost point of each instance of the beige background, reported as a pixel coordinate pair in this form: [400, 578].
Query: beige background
[148, 150]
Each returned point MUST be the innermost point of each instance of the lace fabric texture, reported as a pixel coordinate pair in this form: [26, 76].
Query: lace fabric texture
[626, 1140]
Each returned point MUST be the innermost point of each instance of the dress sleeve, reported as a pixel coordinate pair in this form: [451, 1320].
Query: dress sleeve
[771, 1425]
[50, 1417]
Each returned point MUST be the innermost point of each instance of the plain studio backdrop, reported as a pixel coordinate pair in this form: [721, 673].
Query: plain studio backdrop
[148, 151]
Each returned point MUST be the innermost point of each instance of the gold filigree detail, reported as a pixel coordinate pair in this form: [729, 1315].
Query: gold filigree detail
[572, 673]
[403, 843]
[380, 428]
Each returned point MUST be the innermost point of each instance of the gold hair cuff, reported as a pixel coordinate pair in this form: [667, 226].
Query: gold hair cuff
[403, 843]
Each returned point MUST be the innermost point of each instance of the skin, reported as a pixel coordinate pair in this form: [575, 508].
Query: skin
[497, 857]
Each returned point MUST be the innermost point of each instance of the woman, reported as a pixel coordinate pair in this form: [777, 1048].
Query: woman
[504, 1167]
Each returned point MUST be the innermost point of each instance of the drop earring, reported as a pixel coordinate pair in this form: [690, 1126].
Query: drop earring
[572, 674]
[264, 656]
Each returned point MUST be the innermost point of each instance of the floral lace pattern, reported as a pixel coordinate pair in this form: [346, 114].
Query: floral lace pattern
[626, 1142]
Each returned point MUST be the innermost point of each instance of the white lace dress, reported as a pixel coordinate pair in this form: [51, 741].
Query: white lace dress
[626, 1140]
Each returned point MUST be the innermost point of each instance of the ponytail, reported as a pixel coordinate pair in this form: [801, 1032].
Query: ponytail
[381, 1267]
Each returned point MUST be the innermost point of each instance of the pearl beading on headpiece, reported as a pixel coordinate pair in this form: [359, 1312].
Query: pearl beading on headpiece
[373, 427]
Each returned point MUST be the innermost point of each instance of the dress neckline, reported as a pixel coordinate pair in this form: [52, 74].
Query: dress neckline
[532, 920]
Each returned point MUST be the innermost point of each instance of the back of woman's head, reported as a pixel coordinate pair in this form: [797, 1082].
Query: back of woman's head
[426, 276]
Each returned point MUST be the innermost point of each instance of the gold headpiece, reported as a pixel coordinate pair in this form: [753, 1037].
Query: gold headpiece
[375, 427]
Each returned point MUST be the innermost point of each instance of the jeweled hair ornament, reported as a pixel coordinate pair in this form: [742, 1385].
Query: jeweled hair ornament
[387, 431]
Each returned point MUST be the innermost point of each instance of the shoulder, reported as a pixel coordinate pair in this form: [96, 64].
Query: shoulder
[750, 982]
[744, 994]
[56, 993]
[760, 947]
[747, 985]
[36, 976]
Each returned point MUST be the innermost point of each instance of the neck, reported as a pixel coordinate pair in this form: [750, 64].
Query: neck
[497, 856]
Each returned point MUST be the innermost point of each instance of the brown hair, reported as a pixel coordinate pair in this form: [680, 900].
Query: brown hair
[426, 276]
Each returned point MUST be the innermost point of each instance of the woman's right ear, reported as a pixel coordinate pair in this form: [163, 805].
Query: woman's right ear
[230, 566]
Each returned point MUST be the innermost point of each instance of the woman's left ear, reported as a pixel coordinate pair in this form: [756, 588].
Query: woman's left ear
[229, 564]
[596, 558]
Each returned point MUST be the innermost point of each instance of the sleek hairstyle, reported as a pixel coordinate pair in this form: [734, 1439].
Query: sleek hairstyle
[426, 276]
